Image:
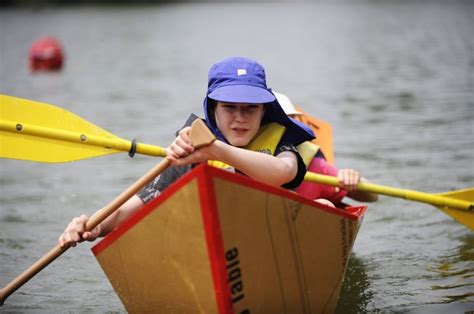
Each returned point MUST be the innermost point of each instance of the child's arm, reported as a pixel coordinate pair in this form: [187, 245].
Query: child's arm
[273, 170]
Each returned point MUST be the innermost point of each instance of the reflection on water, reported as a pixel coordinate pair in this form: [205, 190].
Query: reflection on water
[454, 274]
[356, 293]
[394, 78]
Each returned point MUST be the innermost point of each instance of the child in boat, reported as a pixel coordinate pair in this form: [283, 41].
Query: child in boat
[255, 137]
[325, 194]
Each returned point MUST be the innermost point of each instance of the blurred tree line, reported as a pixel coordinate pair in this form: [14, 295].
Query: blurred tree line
[75, 2]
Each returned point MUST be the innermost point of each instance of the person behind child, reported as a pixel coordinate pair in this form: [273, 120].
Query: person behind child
[254, 137]
[325, 194]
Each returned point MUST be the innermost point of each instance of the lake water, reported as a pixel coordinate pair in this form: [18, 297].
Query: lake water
[394, 78]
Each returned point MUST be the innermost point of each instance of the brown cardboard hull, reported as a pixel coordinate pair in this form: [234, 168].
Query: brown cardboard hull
[216, 242]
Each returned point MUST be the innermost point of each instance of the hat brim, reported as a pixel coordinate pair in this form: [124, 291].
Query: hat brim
[242, 94]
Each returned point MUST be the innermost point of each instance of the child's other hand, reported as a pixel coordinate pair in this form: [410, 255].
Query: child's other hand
[348, 179]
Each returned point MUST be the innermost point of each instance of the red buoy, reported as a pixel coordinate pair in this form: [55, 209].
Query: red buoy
[46, 55]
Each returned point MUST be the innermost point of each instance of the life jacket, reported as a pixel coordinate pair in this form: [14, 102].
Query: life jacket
[265, 141]
[307, 151]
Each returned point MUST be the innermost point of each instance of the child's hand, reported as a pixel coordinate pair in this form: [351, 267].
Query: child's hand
[182, 152]
[75, 232]
[181, 147]
[348, 179]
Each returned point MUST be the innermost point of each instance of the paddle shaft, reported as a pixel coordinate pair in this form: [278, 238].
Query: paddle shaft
[96, 219]
[79, 138]
[422, 197]
[200, 136]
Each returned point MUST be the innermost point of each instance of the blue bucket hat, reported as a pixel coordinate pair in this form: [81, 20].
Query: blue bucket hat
[242, 80]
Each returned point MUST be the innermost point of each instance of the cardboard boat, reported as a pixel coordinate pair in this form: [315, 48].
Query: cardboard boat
[218, 242]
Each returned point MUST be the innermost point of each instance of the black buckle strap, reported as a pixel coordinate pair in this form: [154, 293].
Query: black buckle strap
[133, 148]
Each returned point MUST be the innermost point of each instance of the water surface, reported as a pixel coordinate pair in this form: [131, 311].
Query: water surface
[394, 78]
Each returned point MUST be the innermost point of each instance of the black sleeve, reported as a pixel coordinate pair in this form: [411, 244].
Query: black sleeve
[188, 122]
[155, 187]
[301, 166]
[320, 154]
[170, 175]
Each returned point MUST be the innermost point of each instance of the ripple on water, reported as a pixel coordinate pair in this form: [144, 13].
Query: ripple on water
[374, 121]
[461, 157]
[453, 275]
[21, 199]
[447, 270]
[12, 218]
[406, 101]
[436, 122]
[14, 244]
[466, 179]
[377, 107]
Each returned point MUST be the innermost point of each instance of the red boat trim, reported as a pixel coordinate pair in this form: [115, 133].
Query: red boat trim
[215, 243]
[358, 211]
[141, 213]
[353, 213]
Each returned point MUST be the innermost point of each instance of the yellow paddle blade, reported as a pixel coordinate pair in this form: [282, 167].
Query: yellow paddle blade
[457, 204]
[36, 131]
[462, 216]
[20, 113]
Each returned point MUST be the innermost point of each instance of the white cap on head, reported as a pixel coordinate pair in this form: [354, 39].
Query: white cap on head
[286, 104]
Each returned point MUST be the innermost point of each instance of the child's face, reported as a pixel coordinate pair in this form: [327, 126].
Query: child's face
[239, 122]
